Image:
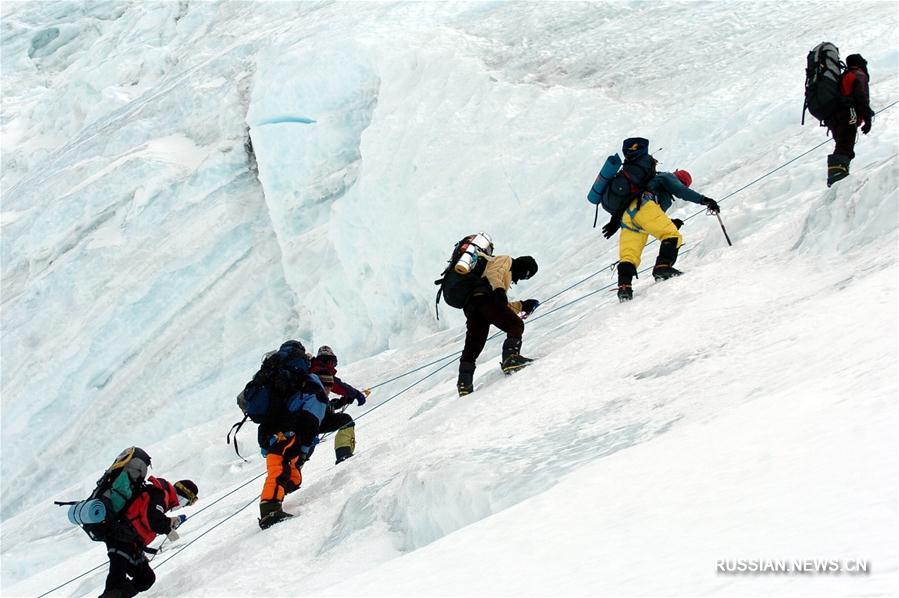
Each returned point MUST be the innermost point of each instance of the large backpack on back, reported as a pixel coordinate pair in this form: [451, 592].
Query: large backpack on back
[264, 398]
[464, 274]
[99, 513]
[822, 81]
[638, 168]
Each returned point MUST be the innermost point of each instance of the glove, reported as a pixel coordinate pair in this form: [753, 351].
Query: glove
[177, 521]
[711, 205]
[340, 403]
[612, 227]
[360, 399]
[866, 128]
[499, 296]
[528, 306]
[677, 222]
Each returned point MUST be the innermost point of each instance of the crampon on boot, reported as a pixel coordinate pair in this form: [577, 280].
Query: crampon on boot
[626, 273]
[513, 363]
[837, 168]
[465, 383]
[664, 272]
[271, 513]
[512, 358]
[664, 268]
[342, 454]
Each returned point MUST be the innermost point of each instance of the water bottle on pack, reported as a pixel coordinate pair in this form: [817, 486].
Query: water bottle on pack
[473, 245]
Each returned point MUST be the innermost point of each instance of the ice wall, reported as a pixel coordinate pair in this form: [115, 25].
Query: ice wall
[146, 267]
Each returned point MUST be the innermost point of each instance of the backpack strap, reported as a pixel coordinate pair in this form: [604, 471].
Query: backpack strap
[236, 428]
[439, 282]
[437, 300]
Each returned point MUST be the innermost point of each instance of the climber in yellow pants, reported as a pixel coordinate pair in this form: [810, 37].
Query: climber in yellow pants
[646, 216]
[640, 221]
[324, 365]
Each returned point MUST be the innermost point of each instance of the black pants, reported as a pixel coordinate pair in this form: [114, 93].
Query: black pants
[334, 421]
[843, 133]
[480, 313]
[129, 572]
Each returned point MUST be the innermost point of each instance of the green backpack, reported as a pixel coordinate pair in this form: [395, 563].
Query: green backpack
[98, 513]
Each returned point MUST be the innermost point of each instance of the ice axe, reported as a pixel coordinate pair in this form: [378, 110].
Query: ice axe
[723, 230]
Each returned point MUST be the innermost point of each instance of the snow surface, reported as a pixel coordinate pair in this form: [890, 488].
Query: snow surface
[185, 185]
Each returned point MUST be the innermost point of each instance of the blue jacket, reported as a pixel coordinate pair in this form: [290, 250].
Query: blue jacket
[665, 186]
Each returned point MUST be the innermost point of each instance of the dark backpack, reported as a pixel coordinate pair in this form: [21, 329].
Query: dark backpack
[263, 399]
[822, 82]
[98, 514]
[638, 168]
[457, 288]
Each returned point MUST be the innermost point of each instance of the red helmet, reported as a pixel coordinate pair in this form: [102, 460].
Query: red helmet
[684, 177]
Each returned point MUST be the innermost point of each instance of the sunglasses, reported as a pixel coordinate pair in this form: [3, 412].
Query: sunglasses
[186, 498]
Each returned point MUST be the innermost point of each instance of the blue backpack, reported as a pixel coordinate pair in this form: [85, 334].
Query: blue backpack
[273, 391]
[618, 183]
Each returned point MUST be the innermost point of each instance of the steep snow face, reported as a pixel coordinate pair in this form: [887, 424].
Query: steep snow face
[186, 185]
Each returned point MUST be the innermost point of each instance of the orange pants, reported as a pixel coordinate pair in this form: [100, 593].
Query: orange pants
[283, 474]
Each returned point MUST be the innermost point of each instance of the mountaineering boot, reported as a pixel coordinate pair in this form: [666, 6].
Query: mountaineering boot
[664, 268]
[465, 384]
[626, 273]
[512, 359]
[342, 454]
[345, 442]
[270, 513]
[837, 168]
[513, 363]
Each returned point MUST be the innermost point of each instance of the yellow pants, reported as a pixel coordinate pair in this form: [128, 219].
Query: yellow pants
[638, 224]
[346, 438]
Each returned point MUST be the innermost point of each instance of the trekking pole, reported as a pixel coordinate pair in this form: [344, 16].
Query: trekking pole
[724, 230]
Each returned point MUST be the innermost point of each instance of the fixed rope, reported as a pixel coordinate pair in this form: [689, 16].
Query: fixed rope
[455, 354]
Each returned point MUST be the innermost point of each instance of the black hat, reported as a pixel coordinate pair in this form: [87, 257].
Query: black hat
[292, 348]
[293, 345]
[523, 268]
[188, 490]
[857, 61]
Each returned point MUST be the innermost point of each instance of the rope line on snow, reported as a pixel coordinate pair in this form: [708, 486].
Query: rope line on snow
[182, 548]
[453, 355]
[384, 402]
[76, 578]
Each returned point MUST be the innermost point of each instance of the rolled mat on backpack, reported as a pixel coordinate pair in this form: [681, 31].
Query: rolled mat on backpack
[87, 512]
[606, 174]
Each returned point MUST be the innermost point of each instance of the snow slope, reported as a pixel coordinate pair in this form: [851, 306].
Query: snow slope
[186, 185]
